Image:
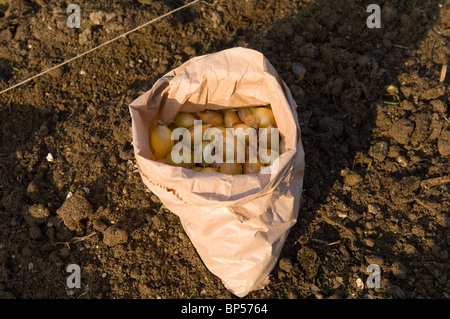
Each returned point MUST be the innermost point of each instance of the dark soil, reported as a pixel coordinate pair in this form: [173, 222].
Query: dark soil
[377, 161]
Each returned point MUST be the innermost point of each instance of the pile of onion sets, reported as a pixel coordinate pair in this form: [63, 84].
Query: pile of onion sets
[229, 141]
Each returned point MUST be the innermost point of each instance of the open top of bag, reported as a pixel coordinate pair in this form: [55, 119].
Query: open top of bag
[232, 78]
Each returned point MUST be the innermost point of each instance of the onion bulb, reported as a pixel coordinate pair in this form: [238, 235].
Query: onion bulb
[245, 127]
[246, 116]
[184, 119]
[264, 116]
[267, 135]
[252, 168]
[231, 168]
[196, 129]
[211, 117]
[187, 159]
[231, 118]
[209, 169]
[161, 140]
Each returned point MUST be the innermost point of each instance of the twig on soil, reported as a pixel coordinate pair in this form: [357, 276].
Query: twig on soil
[75, 240]
[324, 242]
[351, 236]
[443, 73]
[400, 46]
[434, 182]
[418, 201]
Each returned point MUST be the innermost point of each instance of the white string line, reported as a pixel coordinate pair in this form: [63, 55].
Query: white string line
[101, 45]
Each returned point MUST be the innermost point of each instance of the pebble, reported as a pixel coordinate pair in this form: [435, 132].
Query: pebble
[299, 70]
[359, 283]
[402, 161]
[369, 242]
[373, 209]
[43, 130]
[189, 50]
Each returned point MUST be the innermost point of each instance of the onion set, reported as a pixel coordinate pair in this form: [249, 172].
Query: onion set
[219, 141]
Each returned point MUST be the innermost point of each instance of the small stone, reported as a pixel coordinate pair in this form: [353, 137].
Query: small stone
[373, 209]
[368, 242]
[342, 214]
[359, 283]
[49, 157]
[402, 161]
[189, 50]
[299, 70]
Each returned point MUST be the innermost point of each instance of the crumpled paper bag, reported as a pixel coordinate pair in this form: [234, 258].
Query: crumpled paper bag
[237, 223]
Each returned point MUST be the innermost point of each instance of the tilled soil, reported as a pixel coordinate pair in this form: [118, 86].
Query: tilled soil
[377, 180]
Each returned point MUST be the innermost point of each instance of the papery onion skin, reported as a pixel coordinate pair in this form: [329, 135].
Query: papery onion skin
[161, 140]
[245, 115]
[231, 168]
[252, 168]
[231, 118]
[211, 117]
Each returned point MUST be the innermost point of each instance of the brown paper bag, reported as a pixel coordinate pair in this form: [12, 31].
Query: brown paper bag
[237, 223]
